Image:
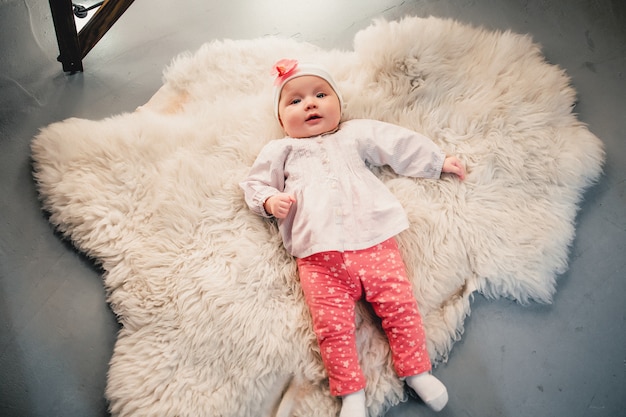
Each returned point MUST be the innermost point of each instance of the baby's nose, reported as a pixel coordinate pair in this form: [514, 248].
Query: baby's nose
[311, 103]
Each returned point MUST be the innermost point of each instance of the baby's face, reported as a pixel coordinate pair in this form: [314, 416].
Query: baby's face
[308, 107]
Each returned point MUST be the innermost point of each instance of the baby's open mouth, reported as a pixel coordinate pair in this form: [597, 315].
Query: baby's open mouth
[313, 117]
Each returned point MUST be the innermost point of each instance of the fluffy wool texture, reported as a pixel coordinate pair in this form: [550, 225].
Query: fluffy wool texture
[214, 321]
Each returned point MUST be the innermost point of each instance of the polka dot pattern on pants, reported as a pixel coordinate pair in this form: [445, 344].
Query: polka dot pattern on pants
[333, 282]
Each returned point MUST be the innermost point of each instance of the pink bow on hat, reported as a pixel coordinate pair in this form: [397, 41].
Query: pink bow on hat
[283, 69]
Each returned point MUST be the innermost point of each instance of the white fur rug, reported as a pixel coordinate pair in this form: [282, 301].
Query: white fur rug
[213, 319]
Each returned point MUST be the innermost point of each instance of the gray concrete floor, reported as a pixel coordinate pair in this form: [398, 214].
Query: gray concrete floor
[57, 332]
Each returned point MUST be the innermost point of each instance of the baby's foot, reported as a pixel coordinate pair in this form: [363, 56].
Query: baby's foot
[430, 390]
[353, 405]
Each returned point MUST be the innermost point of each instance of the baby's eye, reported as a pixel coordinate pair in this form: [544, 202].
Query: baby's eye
[295, 101]
[321, 95]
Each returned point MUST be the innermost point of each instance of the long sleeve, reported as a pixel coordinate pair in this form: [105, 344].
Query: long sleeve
[407, 152]
[266, 177]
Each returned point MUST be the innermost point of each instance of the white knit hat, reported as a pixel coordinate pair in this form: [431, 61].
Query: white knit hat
[288, 69]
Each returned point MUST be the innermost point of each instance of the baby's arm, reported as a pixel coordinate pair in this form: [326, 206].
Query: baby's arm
[407, 152]
[452, 165]
[266, 178]
[279, 205]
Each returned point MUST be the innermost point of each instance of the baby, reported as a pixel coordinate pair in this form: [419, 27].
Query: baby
[339, 221]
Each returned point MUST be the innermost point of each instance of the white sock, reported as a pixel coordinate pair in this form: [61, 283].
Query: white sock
[430, 390]
[353, 405]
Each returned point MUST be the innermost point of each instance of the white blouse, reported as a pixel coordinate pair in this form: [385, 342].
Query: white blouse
[340, 204]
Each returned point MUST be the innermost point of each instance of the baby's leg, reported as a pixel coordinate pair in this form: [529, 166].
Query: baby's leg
[331, 295]
[389, 291]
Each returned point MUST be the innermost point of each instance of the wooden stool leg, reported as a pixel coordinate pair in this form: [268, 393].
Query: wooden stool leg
[104, 18]
[70, 54]
[73, 46]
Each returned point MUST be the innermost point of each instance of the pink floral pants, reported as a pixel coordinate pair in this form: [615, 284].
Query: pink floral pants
[333, 282]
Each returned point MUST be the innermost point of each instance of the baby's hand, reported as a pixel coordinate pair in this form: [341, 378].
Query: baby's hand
[279, 205]
[452, 165]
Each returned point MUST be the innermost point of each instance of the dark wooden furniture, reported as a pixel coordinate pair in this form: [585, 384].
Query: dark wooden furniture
[73, 46]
